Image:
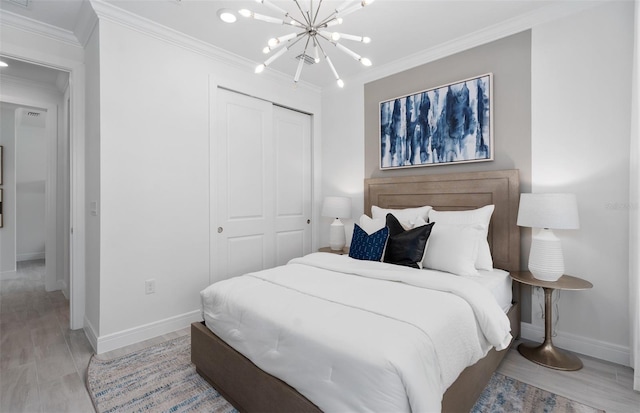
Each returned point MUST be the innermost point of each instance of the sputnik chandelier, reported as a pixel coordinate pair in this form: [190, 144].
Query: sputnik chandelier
[314, 29]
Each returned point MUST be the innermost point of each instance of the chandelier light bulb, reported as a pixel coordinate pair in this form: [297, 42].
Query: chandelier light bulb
[316, 54]
[366, 40]
[260, 68]
[365, 61]
[273, 42]
[334, 22]
[340, 83]
[335, 36]
[266, 50]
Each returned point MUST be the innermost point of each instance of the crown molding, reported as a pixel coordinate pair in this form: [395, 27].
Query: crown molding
[86, 23]
[108, 12]
[27, 24]
[478, 38]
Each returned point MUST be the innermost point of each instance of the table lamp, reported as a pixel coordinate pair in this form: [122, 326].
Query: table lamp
[547, 212]
[336, 207]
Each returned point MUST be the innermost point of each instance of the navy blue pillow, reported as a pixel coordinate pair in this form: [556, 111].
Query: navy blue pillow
[406, 247]
[368, 247]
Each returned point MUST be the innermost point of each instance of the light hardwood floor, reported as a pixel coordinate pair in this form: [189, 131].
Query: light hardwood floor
[43, 364]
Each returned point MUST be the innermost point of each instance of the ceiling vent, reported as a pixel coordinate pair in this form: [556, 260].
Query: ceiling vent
[307, 59]
[31, 117]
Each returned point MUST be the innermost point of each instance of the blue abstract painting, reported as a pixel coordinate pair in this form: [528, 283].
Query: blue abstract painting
[444, 125]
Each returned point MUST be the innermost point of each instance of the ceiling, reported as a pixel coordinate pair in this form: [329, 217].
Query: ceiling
[398, 28]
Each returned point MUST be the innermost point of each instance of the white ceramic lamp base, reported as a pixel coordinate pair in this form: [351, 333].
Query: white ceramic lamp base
[337, 239]
[546, 261]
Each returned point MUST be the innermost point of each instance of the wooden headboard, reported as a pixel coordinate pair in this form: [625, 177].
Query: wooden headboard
[459, 191]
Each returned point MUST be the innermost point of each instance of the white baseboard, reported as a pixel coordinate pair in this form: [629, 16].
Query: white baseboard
[8, 275]
[30, 256]
[90, 332]
[135, 335]
[64, 288]
[582, 345]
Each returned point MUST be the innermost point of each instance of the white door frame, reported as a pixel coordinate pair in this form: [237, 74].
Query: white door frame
[76, 72]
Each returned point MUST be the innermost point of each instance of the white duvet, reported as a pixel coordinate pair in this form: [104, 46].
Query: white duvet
[355, 336]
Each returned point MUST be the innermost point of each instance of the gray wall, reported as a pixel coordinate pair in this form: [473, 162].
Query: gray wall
[509, 59]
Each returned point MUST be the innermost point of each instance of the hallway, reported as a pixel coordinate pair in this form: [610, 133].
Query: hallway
[42, 362]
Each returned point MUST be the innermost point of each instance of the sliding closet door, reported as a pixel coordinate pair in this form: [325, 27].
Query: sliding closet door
[292, 144]
[261, 179]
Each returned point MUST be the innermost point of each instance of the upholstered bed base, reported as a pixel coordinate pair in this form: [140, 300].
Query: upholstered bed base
[250, 389]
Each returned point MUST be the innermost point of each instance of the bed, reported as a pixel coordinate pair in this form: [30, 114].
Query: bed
[249, 388]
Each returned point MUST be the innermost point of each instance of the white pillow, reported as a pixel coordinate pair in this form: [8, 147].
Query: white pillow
[453, 248]
[480, 216]
[408, 217]
[370, 225]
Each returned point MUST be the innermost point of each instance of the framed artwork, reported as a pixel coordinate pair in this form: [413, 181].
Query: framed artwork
[448, 124]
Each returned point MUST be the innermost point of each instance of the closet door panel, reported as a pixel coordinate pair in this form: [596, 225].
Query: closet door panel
[242, 191]
[292, 139]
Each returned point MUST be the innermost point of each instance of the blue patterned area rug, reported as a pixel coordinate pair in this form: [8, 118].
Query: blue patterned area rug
[161, 378]
[506, 395]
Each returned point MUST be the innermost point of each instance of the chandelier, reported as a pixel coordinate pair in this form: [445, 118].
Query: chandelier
[312, 29]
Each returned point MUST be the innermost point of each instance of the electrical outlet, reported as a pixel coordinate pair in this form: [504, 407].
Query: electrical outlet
[150, 286]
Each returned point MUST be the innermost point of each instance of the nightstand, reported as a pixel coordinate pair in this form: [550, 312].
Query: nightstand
[546, 354]
[343, 251]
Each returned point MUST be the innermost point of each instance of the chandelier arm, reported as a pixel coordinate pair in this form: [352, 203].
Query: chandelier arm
[281, 43]
[353, 54]
[317, 12]
[344, 5]
[327, 19]
[301, 62]
[273, 7]
[333, 69]
[302, 13]
[352, 37]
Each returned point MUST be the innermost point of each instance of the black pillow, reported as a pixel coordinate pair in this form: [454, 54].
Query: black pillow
[406, 247]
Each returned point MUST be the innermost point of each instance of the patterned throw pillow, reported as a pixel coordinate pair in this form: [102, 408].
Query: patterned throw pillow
[368, 247]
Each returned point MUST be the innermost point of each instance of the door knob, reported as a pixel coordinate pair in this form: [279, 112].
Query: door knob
[220, 229]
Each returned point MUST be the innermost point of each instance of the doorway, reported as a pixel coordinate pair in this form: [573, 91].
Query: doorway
[36, 185]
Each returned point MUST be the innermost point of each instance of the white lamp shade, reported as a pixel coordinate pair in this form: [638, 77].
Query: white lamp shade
[554, 211]
[336, 207]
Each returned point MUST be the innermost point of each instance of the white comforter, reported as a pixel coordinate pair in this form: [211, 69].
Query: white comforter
[358, 335]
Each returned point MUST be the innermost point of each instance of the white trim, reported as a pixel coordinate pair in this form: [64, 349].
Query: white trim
[46, 87]
[51, 195]
[86, 23]
[137, 334]
[28, 256]
[471, 40]
[10, 19]
[583, 345]
[90, 332]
